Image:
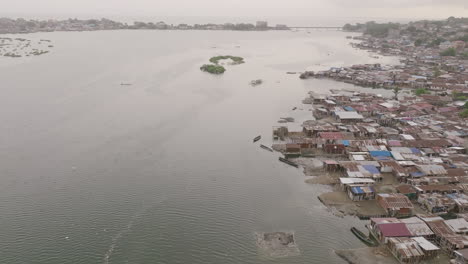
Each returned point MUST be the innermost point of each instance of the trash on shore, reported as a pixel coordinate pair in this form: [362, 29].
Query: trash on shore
[256, 82]
[277, 244]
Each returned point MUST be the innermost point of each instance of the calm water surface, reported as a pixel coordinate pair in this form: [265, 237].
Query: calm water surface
[163, 171]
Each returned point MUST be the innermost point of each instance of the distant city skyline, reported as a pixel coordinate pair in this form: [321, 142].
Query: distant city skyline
[254, 9]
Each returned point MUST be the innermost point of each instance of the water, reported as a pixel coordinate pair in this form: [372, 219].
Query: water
[163, 171]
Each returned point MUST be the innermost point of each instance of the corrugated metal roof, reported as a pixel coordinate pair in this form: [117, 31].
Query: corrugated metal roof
[394, 230]
[425, 244]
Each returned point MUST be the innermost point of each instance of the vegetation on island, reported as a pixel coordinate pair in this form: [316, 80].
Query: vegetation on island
[213, 69]
[235, 60]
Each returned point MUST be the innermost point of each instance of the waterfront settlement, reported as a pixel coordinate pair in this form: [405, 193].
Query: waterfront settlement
[399, 163]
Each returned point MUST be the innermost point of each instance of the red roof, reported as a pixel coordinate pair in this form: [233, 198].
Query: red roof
[331, 135]
[394, 230]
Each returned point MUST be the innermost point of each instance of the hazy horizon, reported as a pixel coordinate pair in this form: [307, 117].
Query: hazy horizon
[219, 10]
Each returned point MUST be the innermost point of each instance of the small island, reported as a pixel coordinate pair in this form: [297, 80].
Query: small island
[235, 60]
[213, 69]
[217, 66]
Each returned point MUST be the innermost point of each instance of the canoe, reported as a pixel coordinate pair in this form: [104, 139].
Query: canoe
[288, 162]
[267, 148]
[257, 139]
[365, 239]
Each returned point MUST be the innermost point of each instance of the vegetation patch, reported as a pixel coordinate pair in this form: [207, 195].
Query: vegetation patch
[235, 60]
[216, 68]
[421, 91]
[449, 52]
[213, 69]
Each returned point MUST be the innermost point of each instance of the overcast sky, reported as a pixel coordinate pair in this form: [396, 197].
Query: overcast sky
[406, 9]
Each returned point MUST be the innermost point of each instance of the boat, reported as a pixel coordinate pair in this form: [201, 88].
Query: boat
[365, 239]
[257, 139]
[267, 148]
[288, 162]
[125, 84]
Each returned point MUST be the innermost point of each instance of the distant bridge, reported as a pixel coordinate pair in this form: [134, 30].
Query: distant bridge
[333, 28]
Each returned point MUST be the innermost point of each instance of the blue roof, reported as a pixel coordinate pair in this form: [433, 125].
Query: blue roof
[380, 153]
[417, 174]
[348, 108]
[415, 151]
[371, 168]
[358, 189]
[345, 142]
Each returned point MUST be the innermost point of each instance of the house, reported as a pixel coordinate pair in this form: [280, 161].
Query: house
[386, 230]
[436, 203]
[412, 250]
[459, 226]
[408, 191]
[348, 116]
[361, 192]
[445, 237]
[395, 204]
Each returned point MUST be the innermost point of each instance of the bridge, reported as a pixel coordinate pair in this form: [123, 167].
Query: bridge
[324, 27]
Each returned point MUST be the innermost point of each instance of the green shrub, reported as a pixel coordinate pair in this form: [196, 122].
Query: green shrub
[236, 60]
[464, 113]
[421, 91]
[449, 52]
[213, 69]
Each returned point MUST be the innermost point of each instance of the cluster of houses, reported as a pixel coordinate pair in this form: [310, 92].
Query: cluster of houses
[20, 25]
[422, 237]
[425, 62]
[415, 141]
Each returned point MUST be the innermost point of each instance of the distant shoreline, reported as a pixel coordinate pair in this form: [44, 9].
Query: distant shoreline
[23, 26]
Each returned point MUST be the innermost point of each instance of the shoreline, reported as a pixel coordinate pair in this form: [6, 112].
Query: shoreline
[361, 138]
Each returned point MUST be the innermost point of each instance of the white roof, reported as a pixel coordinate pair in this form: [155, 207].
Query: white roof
[425, 244]
[387, 105]
[397, 156]
[408, 137]
[355, 180]
[359, 157]
[458, 225]
[349, 115]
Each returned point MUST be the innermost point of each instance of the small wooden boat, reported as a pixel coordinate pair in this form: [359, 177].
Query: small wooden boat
[267, 148]
[257, 139]
[365, 239]
[288, 162]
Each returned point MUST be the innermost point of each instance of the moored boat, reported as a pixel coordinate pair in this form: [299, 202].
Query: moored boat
[257, 139]
[365, 239]
[267, 148]
[288, 162]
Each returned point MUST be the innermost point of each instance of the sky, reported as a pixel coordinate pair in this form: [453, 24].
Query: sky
[260, 9]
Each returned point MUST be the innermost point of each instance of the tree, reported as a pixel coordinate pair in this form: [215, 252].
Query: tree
[449, 52]
[418, 42]
[396, 91]
[464, 113]
[421, 91]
